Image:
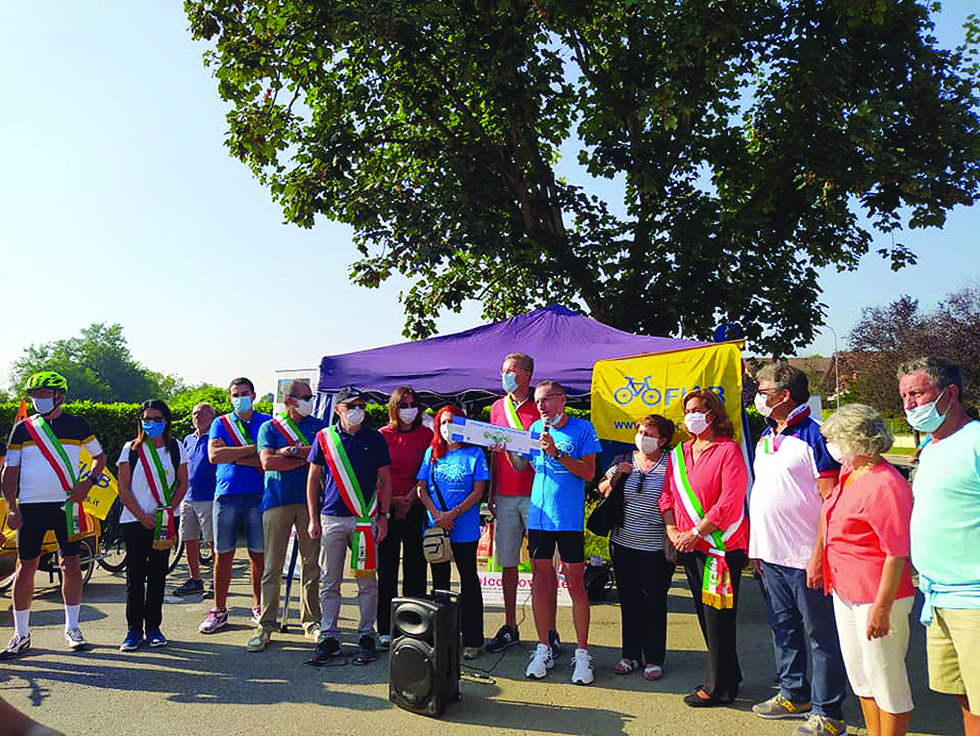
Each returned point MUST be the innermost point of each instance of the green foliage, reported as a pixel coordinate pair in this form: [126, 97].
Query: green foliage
[750, 137]
[97, 365]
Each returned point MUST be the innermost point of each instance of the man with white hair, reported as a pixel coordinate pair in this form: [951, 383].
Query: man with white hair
[946, 529]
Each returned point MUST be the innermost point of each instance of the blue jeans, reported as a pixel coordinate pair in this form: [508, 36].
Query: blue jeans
[802, 618]
[234, 513]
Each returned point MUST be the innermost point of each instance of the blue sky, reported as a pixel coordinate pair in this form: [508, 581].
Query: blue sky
[119, 203]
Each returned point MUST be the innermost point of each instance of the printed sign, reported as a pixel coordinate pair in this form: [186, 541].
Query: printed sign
[484, 434]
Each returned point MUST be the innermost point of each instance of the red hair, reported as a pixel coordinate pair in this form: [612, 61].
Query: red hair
[439, 446]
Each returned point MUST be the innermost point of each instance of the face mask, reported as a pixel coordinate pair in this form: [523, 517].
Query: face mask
[43, 406]
[355, 417]
[833, 449]
[646, 444]
[446, 430]
[242, 404]
[509, 381]
[408, 414]
[696, 422]
[926, 418]
[762, 407]
[153, 429]
[304, 407]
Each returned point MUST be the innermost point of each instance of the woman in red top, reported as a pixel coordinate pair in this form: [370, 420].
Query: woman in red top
[407, 440]
[863, 555]
[703, 495]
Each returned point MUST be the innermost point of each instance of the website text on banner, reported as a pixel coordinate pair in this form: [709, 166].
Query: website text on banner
[628, 389]
[103, 493]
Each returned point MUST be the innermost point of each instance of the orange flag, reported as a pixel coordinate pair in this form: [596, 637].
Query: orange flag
[22, 412]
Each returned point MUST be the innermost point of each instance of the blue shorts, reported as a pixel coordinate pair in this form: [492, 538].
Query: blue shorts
[234, 514]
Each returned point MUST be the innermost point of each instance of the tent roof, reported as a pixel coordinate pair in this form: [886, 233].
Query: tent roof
[563, 343]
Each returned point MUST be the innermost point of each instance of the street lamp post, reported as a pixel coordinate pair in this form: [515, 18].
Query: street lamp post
[836, 367]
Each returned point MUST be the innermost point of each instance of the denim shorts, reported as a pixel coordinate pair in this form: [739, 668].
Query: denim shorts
[234, 514]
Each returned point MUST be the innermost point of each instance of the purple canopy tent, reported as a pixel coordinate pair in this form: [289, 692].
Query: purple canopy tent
[563, 343]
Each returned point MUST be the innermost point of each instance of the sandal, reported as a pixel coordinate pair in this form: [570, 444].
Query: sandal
[625, 666]
[653, 672]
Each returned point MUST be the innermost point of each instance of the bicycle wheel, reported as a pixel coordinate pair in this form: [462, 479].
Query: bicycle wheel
[178, 552]
[112, 549]
[86, 559]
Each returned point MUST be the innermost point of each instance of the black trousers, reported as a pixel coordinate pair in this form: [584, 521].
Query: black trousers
[404, 541]
[146, 576]
[470, 592]
[642, 581]
[717, 626]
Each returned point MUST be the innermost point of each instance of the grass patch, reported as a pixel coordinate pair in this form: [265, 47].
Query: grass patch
[594, 545]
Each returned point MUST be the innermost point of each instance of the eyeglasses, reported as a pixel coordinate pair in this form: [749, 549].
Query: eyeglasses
[355, 406]
[407, 404]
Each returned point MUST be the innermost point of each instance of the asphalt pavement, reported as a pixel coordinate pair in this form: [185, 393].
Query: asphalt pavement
[209, 684]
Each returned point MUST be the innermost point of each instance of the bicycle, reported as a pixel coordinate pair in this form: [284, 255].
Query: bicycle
[648, 394]
[113, 556]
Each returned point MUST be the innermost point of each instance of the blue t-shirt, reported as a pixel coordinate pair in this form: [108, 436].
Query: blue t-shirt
[200, 471]
[231, 479]
[367, 452]
[558, 496]
[454, 474]
[286, 487]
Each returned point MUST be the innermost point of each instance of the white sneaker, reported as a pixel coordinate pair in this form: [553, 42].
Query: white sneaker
[541, 662]
[584, 672]
[74, 639]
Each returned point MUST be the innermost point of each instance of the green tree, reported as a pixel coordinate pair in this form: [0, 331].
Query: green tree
[98, 366]
[751, 136]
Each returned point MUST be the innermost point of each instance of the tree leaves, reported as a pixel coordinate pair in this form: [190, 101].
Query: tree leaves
[752, 138]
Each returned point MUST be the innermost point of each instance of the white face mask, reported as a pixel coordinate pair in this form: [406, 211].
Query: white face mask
[446, 430]
[696, 422]
[833, 449]
[646, 444]
[762, 407]
[304, 407]
[408, 414]
[355, 417]
[43, 406]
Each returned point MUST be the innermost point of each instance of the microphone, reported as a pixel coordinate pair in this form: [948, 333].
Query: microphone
[545, 421]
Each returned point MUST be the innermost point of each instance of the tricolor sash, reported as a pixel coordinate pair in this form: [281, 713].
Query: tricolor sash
[363, 546]
[54, 452]
[716, 585]
[237, 430]
[290, 430]
[164, 535]
[510, 411]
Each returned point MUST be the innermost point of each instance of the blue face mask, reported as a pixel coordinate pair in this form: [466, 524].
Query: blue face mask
[153, 429]
[509, 382]
[242, 404]
[926, 418]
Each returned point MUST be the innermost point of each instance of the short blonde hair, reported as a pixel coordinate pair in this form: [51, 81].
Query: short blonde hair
[858, 429]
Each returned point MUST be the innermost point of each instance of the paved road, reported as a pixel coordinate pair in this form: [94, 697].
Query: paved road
[211, 685]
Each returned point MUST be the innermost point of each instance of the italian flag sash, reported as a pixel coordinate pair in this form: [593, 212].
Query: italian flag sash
[237, 430]
[363, 547]
[510, 411]
[54, 452]
[716, 586]
[164, 535]
[290, 430]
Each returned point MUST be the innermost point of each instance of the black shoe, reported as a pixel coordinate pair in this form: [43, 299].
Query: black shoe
[506, 637]
[555, 643]
[326, 649]
[189, 587]
[366, 650]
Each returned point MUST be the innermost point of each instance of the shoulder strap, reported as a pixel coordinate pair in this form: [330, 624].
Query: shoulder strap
[436, 486]
[134, 458]
[174, 455]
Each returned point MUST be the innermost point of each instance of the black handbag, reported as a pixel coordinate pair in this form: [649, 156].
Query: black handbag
[609, 513]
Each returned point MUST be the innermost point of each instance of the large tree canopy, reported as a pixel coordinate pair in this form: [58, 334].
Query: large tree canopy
[97, 365]
[753, 140]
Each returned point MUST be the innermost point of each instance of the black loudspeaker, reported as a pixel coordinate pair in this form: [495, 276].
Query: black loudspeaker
[423, 669]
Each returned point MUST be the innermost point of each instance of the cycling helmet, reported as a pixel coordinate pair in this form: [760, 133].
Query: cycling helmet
[47, 379]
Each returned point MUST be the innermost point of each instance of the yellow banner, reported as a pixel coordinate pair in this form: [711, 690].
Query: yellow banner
[628, 389]
[103, 493]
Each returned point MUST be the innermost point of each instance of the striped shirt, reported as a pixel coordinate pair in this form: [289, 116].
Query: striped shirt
[643, 524]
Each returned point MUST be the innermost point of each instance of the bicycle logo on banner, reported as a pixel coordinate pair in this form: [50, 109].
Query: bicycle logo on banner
[652, 396]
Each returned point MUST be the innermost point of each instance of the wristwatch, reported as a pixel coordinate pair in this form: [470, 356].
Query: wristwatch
[385, 514]
[559, 454]
[696, 532]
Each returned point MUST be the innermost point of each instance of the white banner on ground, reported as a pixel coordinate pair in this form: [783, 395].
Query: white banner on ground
[493, 589]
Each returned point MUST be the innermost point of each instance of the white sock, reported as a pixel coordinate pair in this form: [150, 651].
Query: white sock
[22, 622]
[71, 617]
